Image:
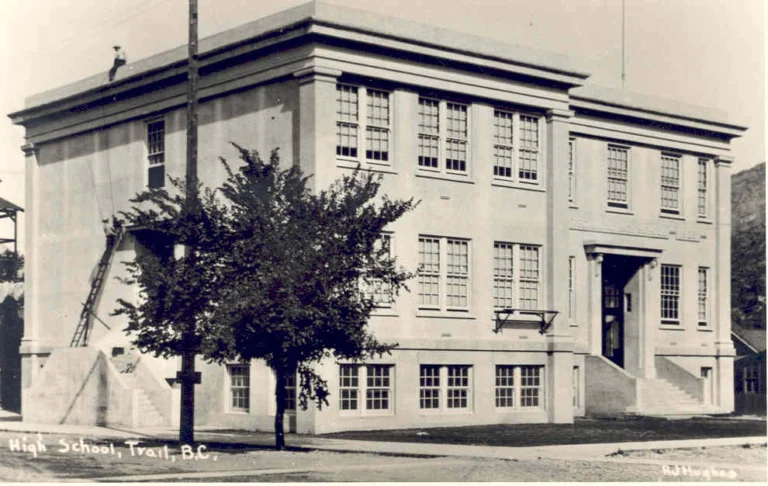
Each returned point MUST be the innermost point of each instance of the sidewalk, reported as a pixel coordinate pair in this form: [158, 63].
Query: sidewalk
[266, 440]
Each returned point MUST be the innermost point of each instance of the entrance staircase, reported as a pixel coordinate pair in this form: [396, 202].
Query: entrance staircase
[135, 378]
[658, 396]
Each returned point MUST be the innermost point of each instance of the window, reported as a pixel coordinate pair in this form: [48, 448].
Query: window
[348, 386]
[455, 273]
[572, 170]
[374, 382]
[702, 189]
[752, 378]
[576, 383]
[618, 177]
[670, 294]
[452, 381]
[515, 266]
[516, 142]
[571, 287]
[290, 393]
[156, 154]
[239, 387]
[519, 387]
[447, 122]
[458, 387]
[670, 184]
[703, 290]
[367, 111]
[429, 387]
[380, 291]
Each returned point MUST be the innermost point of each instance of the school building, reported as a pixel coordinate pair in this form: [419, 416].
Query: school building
[573, 241]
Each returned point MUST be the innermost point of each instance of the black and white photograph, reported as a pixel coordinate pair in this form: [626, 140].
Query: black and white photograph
[396, 241]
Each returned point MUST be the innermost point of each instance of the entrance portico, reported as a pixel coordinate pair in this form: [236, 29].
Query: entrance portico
[623, 306]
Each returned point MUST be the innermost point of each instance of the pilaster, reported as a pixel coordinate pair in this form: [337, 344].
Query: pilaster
[649, 318]
[595, 295]
[317, 128]
[722, 274]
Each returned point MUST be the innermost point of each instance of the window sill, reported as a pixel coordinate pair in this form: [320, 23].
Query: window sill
[441, 314]
[676, 217]
[345, 163]
[366, 413]
[520, 409]
[573, 206]
[384, 312]
[444, 177]
[672, 327]
[526, 186]
[237, 412]
[704, 221]
[610, 209]
[705, 329]
[446, 411]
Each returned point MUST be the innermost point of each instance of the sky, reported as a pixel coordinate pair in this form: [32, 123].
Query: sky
[704, 52]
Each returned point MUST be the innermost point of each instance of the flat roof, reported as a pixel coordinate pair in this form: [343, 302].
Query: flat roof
[342, 17]
[652, 104]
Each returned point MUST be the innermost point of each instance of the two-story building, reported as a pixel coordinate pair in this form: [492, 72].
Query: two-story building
[573, 242]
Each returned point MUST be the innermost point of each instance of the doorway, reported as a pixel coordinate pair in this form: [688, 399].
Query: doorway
[616, 272]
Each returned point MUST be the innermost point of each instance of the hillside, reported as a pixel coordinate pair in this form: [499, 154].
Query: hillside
[748, 247]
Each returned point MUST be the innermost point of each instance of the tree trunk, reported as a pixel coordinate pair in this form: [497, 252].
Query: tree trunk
[280, 374]
[187, 419]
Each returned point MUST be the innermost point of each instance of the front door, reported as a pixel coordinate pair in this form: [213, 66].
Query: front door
[613, 321]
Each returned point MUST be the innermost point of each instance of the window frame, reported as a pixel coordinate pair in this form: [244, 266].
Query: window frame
[617, 205]
[517, 277]
[361, 389]
[572, 171]
[572, 289]
[517, 387]
[671, 294]
[702, 298]
[668, 183]
[751, 379]
[516, 148]
[702, 189]
[231, 388]
[362, 126]
[441, 391]
[443, 137]
[443, 274]
[150, 154]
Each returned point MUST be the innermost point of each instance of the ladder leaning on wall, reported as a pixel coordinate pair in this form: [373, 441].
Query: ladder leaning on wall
[80, 338]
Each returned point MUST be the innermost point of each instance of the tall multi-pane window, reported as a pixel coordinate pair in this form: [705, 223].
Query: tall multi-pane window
[618, 177]
[347, 108]
[445, 387]
[456, 138]
[516, 276]
[429, 272]
[571, 287]
[516, 146]
[503, 276]
[701, 185]
[380, 291]
[377, 126]
[365, 387]
[529, 277]
[503, 144]
[457, 275]
[239, 387]
[670, 183]
[703, 296]
[519, 387]
[443, 135]
[349, 384]
[363, 110]
[156, 153]
[530, 386]
[429, 387]
[458, 392]
[505, 386]
[378, 390]
[455, 272]
[429, 133]
[572, 170]
[576, 386]
[670, 294]
[529, 148]
[752, 378]
[290, 393]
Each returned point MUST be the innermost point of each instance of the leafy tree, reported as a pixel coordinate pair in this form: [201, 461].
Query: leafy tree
[280, 273]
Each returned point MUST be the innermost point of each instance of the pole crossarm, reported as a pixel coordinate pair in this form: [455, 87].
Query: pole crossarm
[545, 318]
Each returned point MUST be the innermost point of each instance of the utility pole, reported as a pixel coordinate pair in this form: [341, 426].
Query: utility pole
[188, 377]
